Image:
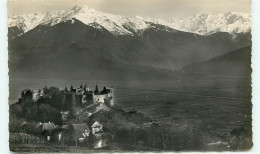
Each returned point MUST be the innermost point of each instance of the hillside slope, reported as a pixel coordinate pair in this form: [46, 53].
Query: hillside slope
[235, 63]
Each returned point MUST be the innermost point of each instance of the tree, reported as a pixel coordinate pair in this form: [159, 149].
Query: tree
[71, 88]
[81, 86]
[45, 90]
[96, 90]
[47, 113]
[54, 98]
[85, 86]
[104, 91]
[54, 91]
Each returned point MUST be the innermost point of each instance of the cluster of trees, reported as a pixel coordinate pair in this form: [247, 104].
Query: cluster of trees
[43, 110]
[17, 125]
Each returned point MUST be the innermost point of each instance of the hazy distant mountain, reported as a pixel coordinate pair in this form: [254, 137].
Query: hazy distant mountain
[204, 24]
[235, 63]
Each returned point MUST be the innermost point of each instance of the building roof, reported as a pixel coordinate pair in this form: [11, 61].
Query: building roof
[81, 127]
[96, 124]
[65, 126]
[48, 126]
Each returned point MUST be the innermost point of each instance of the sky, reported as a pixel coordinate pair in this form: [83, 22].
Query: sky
[147, 8]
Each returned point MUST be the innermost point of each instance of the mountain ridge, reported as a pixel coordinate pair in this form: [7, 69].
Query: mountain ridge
[205, 24]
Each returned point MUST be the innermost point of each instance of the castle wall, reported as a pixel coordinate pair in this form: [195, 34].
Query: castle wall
[89, 97]
[35, 95]
[99, 98]
[102, 98]
[111, 96]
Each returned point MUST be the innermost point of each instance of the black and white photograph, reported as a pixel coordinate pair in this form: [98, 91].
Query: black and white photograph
[129, 75]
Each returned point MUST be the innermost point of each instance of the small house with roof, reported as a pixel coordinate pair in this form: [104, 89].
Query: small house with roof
[48, 130]
[81, 132]
[97, 128]
[101, 138]
[48, 126]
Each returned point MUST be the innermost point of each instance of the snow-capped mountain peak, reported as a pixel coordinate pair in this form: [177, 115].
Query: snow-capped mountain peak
[203, 24]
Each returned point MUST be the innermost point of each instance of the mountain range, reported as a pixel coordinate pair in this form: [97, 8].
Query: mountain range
[85, 43]
[203, 24]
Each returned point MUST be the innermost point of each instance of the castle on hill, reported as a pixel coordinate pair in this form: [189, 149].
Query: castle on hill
[75, 97]
[87, 96]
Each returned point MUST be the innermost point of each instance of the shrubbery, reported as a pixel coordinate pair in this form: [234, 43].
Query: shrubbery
[23, 138]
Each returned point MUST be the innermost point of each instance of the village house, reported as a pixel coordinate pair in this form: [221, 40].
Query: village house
[81, 132]
[97, 128]
[48, 126]
[101, 137]
[48, 129]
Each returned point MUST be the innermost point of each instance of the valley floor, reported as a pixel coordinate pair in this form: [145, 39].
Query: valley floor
[200, 113]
